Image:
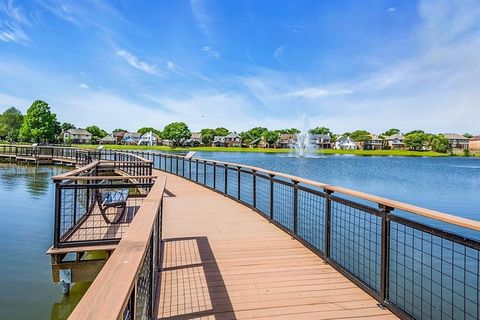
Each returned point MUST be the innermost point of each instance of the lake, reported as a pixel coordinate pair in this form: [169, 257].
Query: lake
[450, 185]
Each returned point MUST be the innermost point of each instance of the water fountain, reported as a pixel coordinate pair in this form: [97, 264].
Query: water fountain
[304, 146]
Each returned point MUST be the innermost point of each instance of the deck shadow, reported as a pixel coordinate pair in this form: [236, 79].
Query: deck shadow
[191, 284]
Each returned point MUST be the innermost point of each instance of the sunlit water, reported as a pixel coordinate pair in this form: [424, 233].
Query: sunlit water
[26, 211]
[449, 185]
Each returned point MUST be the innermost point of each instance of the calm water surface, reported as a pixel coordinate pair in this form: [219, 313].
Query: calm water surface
[27, 202]
[450, 185]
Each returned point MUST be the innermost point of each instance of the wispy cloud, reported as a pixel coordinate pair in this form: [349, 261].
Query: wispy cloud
[210, 52]
[201, 16]
[12, 23]
[392, 9]
[278, 54]
[84, 85]
[137, 63]
[313, 93]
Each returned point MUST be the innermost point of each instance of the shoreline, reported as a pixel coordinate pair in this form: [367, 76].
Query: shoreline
[364, 153]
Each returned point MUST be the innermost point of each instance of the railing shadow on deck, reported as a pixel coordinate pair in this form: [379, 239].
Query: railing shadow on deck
[194, 260]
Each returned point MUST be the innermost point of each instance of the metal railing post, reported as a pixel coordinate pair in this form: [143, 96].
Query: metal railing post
[176, 165]
[328, 222]
[214, 175]
[196, 170]
[254, 188]
[295, 209]
[204, 172]
[238, 183]
[271, 197]
[226, 179]
[189, 169]
[385, 254]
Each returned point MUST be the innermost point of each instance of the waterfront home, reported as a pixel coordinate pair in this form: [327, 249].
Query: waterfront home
[395, 141]
[345, 143]
[131, 138]
[233, 139]
[195, 139]
[108, 139]
[118, 135]
[166, 142]
[374, 143]
[456, 141]
[322, 141]
[77, 136]
[218, 141]
[287, 140]
[148, 139]
[474, 143]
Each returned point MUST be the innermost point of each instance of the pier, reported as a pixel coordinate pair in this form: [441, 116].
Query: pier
[197, 238]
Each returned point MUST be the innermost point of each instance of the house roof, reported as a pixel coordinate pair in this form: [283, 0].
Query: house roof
[398, 136]
[232, 135]
[476, 138]
[108, 138]
[119, 134]
[454, 136]
[78, 131]
[287, 136]
[150, 134]
[132, 135]
[219, 138]
[195, 135]
[375, 137]
[345, 139]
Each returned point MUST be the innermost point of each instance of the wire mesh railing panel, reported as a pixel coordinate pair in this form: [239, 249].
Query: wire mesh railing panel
[232, 182]
[143, 288]
[209, 175]
[283, 204]
[246, 188]
[263, 194]
[220, 179]
[356, 242]
[432, 277]
[311, 218]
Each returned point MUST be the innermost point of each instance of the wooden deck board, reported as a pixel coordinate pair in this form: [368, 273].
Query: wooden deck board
[222, 260]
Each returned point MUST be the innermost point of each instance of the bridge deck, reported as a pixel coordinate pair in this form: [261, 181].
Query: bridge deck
[222, 260]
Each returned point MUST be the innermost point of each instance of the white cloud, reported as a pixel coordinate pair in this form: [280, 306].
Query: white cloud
[210, 52]
[12, 23]
[312, 93]
[137, 63]
[201, 15]
[84, 86]
[392, 9]
[278, 54]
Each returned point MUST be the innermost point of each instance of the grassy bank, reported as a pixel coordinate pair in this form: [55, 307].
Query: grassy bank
[400, 153]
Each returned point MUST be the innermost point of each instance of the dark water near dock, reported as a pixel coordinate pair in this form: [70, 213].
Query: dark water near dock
[26, 210]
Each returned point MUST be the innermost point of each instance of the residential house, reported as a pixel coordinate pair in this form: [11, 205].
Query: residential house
[131, 138]
[474, 143]
[395, 141]
[321, 141]
[77, 136]
[148, 139]
[457, 141]
[287, 140]
[374, 143]
[345, 143]
[118, 135]
[195, 140]
[108, 139]
[233, 139]
[218, 141]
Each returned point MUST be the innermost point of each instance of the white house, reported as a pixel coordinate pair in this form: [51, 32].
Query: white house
[148, 139]
[345, 143]
[77, 136]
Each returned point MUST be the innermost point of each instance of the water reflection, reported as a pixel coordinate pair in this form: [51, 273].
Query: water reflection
[63, 308]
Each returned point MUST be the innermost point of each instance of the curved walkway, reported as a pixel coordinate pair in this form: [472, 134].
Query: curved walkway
[222, 260]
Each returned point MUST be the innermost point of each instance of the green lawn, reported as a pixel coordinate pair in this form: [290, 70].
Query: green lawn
[403, 153]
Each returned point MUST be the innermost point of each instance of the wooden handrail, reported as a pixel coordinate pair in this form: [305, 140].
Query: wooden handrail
[428, 213]
[99, 178]
[67, 175]
[135, 156]
[109, 293]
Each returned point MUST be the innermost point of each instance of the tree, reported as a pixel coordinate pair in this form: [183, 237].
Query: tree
[96, 132]
[414, 131]
[10, 123]
[221, 131]
[439, 143]
[120, 130]
[288, 131]
[271, 137]
[416, 140]
[360, 135]
[468, 135]
[391, 132]
[176, 132]
[67, 126]
[208, 136]
[321, 130]
[144, 130]
[39, 124]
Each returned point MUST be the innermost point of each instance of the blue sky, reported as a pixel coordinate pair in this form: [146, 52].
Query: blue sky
[345, 64]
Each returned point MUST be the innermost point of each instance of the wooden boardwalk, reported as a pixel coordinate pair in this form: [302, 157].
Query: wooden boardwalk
[222, 260]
